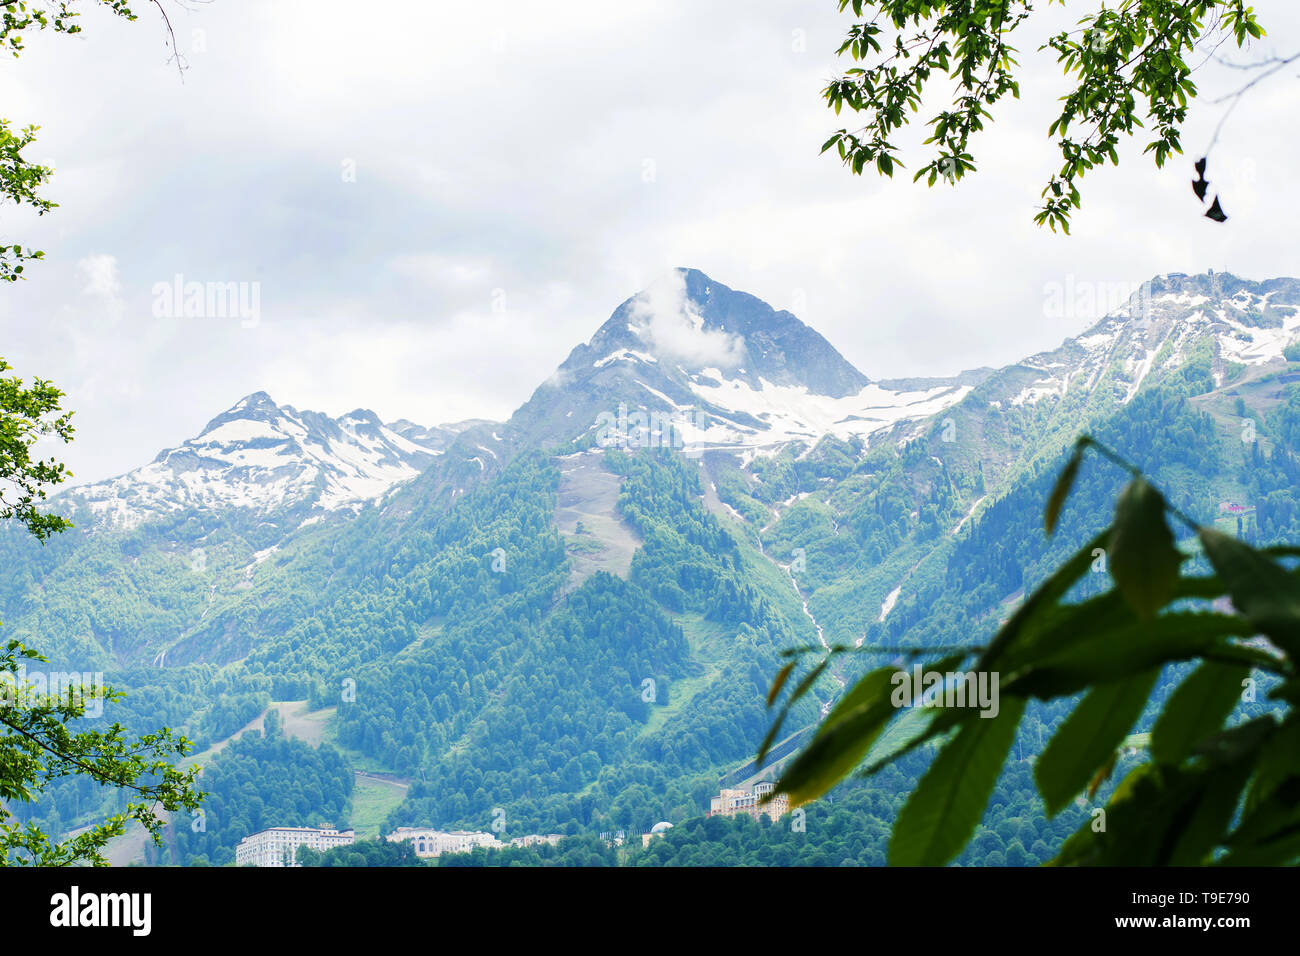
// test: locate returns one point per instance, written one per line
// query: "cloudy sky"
(432, 203)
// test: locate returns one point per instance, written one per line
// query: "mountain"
(1215, 341)
(783, 429)
(1236, 321)
(438, 437)
(264, 460)
(720, 369)
(563, 618)
(1209, 332)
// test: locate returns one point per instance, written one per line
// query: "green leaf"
(1118, 652)
(803, 687)
(1279, 761)
(1142, 557)
(778, 682)
(1061, 490)
(1066, 624)
(1197, 709)
(913, 727)
(1089, 736)
(1043, 600)
(1212, 793)
(1260, 588)
(1063, 625)
(917, 724)
(1269, 832)
(806, 684)
(1237, 743)
(1205, 825)
(1146, 818)
(842, 740)
(1280, 847)
(862, 694)
(941, 814)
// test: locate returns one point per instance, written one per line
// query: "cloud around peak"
(669, 322)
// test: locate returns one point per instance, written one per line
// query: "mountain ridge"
(265, 458)
(585, 635)
(725, 370)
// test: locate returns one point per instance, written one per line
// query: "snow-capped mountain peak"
(726, 368)
(1165, 323)
(263, 459)
(687, 321)
(720, 368)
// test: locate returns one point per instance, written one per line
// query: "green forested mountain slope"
(446, 626)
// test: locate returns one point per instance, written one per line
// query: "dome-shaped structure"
(661, 827)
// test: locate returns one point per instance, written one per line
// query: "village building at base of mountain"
(431, 843)
(729, 803)
(278, 846)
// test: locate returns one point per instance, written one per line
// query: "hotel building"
(728, 803)
(431, 843)
(278, 846)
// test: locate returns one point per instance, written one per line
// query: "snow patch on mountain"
(262, 457)
(888, 604)
(1247, 323)
(793, 413)
(623, 355)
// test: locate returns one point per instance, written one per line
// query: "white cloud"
(670, 324)
(99, 278)
(499, 152)
(99, 275)
(438, 270)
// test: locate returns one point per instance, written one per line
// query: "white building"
(278, 846)
(731, 802)
(430, 843)
(658, 830)
(537, 839)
